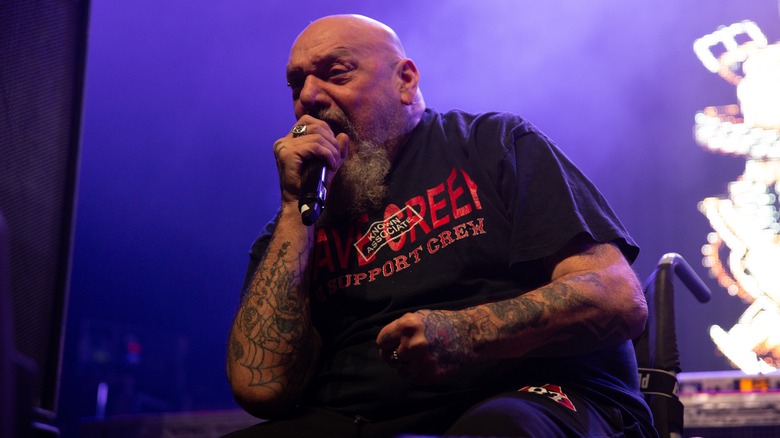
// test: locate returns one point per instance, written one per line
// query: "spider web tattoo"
(273, 319)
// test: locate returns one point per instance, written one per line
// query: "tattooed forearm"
(518, 314)
(568, 319)
(273, 330)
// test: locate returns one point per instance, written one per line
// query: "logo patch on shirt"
(553, 392)
(381, 232)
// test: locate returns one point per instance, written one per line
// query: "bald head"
(361, 31)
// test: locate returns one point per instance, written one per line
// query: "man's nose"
(312, 95)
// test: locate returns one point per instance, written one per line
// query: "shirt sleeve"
(257, 251)
(551, 201)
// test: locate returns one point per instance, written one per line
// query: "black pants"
(538, 412)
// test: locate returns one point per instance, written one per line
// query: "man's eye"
(337, 72)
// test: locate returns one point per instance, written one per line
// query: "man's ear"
(408, 79)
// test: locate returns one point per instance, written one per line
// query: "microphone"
(311, 201)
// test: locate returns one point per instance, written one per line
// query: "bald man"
(464, 279)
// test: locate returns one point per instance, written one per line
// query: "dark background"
(185, 99)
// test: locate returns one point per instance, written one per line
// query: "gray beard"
(359, 186)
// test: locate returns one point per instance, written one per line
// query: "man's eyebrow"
(322, 61)
(335, 54)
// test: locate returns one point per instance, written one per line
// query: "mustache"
(336, 120)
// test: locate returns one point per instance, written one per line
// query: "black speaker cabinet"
(42, 63)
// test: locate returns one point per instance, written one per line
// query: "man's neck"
(395, 145)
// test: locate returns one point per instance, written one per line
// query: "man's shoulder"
(471, 123)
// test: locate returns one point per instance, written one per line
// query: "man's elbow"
(266, 405)
(265, 401)
(627, 301)
(634, 309)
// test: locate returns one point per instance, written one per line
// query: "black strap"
(658, 382)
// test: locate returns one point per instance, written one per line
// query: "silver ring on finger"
(298, 130)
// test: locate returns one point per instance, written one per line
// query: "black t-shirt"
(475, 202)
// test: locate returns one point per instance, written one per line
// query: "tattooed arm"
(593, 300)
(273, 347)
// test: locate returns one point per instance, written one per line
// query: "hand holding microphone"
(311, 201)
(320, 153)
